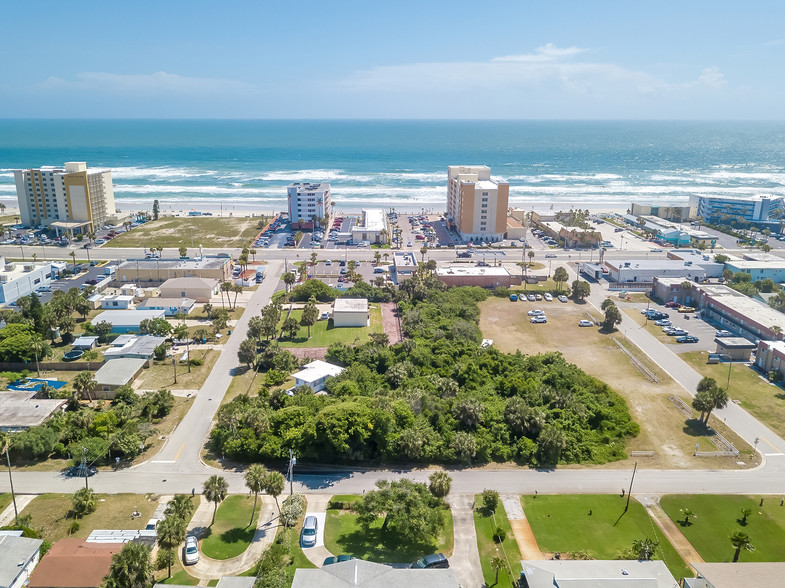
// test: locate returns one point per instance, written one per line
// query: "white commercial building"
(372, 228)
(350, 312)
(22, 279)
(308, 201)
(316, 374)
(476, 204)
(750, 208)
(73, 198)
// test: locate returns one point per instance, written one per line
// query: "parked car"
(539, 319)
(550, 255)
(663, 323)
(548, 297)
(723, 333)
(325, 316)
(513, 298)
(79, 471)
(686, 309)
(531, 298)
(437, 560)
(687, 339)
(677, 333)
(585, 323)
(191, 551)
(336, 559)
(562, 298)
(310, 528)
(536, 312)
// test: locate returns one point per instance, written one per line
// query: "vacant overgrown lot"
(177, 231)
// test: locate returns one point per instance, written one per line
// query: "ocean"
(236, 165)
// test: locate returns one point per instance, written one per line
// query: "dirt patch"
(302, 353)
(662, 426)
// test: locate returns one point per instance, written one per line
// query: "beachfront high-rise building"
(761, 207)
(476, 204)
(72, 199)
(308, 202)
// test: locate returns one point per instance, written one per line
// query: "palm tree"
(131, 568)
(171, 532)
(497, 563)
(180, 506)
(745, 512)
(314, 257)
(181, 332)
(84, 383)
(423, 251)
(273, 484)
(288, 278)
(254, 479)
(253, 254)
(73, 257)
(215, 490)
(740, 540)
(687, 514)
(439, 484)
(531, 257)
(83, 502)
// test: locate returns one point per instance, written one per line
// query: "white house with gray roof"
(18, 558)
(367, 574)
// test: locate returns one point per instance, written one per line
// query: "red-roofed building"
(74, 563)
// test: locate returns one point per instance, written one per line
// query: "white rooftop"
(374, 220)
(350, 305)
(471, 270)
(126, 317)
(598, 574)
(316, 370)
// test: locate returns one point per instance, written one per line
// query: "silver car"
(191, 552)
(310, 529)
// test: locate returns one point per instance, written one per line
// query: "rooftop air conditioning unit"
(3, 278)
(28, 267)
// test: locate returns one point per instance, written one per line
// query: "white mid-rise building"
(476, 204)
(308, 201)
(22, 279)
(73, 198)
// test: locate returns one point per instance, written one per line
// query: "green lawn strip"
(563, 523)
(764, 400)
(213, 582)
(486, 527)
(113, 511)
(181, 577)
(231, 534)
(177, 231)
(343, 535)
(5, 501)
(323, 333)
(718, 517)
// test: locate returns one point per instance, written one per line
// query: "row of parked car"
(536, 297)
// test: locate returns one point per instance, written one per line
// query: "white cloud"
(548, 67)
(156, 83)
(548, 52)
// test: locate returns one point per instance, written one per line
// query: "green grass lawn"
(563, 523)
(718, 517)
(5, 500)
(764, 400)
(177, 231)
(113, 511)
(161, 374)
(179, 575)
(233, 530)
(342, 535)
(323, 333)
(485, 527)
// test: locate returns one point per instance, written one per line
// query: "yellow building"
(476, 204)
(73, 198)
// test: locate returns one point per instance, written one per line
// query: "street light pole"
(292, 463)
(11, 480)
(634, 469)
(730, 365)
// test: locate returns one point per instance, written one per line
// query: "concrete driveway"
(465, 559)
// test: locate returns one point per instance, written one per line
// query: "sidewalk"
(465, 559)
(207, 568)
(680, 543)
(524, 536)
(7, 516)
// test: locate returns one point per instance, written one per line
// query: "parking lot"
(690, 322)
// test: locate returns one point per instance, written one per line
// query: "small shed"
(85, 343)
(737, 348)
(350, 312)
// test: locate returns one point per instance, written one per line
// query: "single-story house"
(133, 347)
(482, 276)
(246, 279)
(737, 348)
(84, 343)
(368, 574)
(556, 573)
(316, 374)
(74, 563)
(116, 373)
(199, 289)
(18, 558)
(170, 306)
(736, 575)
(350, 312)
(117, 301)
(19, 410)
(95, 300)
(126, 321)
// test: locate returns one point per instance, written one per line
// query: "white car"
(531, 298)
(548, 297)
(536, 312)
(663, 323)
(191, 552)
(562, 298)
(538, 297)
(585, 323)
(539, 319)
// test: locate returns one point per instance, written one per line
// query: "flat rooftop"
(18, 410)
(471, 270)
(118, 372)
(126, 317)
(316, 370)
(203, 263)
(305, 187)
(374, 221)
(651, 264)
(405, 259)
(596, 573)
(754, 310)
(758, 265)
(350, 305)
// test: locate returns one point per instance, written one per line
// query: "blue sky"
(364, 59)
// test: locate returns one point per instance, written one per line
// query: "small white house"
(316, 374)
(350, 312)
(18, 558)
(117, 302)
(170, 306)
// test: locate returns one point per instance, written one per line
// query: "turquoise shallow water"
(247, 164)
